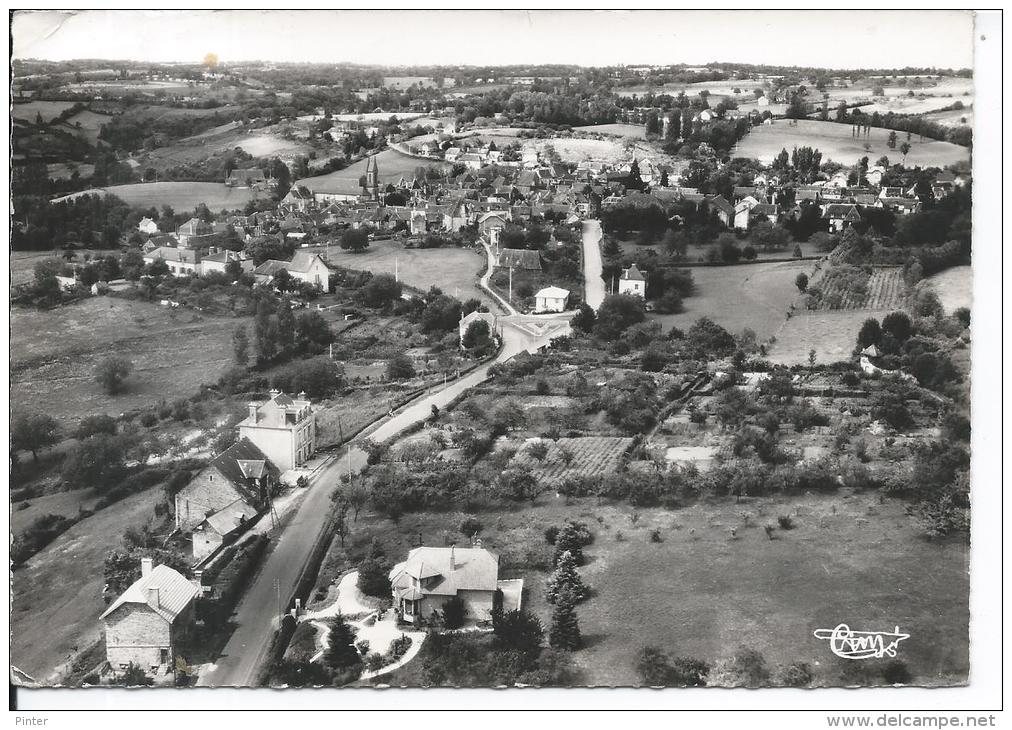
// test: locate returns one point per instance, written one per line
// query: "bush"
(785, 522)
(40, 533)
(454, 613)
(91, 425)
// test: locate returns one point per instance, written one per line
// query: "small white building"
(147, 226)
(632, 281)
(283, 428)
(551, 299)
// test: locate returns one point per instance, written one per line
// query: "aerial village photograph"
(349, 366)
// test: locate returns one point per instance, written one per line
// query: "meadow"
(756, 296)
(179, 195)
(48, 110)
(622, 130)
(454, 270)
(836, 143)
(831, 333)
(954, 287)
(56, 352)
(392, 165)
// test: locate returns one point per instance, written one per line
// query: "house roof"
(174, 593)
(720, 203)
(244, 460)
(230, 518)
(519, 258)
(552, 292)
(169, 253)
(271, 413)
(842, 210)
(473, 569)
(632, 274)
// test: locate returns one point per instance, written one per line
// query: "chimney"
(252, 411)
(146, 565)
(153, 597)
(453, 560)
(274, 393)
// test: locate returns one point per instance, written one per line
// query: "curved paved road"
(256, 615)
(593, 284)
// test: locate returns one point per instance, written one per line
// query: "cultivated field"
(885, 290)
(756, 296)
(454, 270)
(954, 287)
(180, 195)
(57, 595)
(55, 353)
(392, 165)
(831, 333)
(621, 130)
(590, 455)
(952, 118)
(836, 143)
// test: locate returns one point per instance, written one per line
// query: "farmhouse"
(304, 266)
(724, 210)
(193, 227)
(491, 225)
(181, 261)
(431, 576)
(283, 428)
(223, 499)
(632, 282)
(841, 216)
(147, 623)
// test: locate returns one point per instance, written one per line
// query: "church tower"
(372, 178)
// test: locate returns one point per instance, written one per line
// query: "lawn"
(954, 287)
(47, 109)
(392, 165)
(56, 351)
(756, 296)
(180, 195)
(836, 143)
(831, 333)
(454, 270)
(57, 595)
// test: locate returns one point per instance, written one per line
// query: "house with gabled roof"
(632, 281)
(841, 216)
(146, 624)
(226, 497)
(305, 266)
(431, 576)
(519, 258)
(723, 209)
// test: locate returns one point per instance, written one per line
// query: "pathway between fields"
(593, 284)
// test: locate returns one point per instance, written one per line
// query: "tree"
(265, 332)
(905, 148)
(286, 327)
(454, 613)
(516, 631)
(565, 630)
(355, 240)
(617, 313)
(112, 373)
(341, 507)
(91, 425)
(341, 650)
(891, 141)
(400, 367)
(477, 338)
(870, 333)
(240, 346)
(134, 676)
(373, 572)
(584, 319)
(132, 264)
(34, 431)
(96, 462)
(565, 577)
(380, 291)
(801, 281)
(572, 538)
(898, 324)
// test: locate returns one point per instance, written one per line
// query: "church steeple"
(372, 177)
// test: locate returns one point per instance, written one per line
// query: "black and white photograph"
(526, 350)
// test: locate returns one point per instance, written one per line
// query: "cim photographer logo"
(850, 644)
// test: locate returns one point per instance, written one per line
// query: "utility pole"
(277, 590)
(511, 285)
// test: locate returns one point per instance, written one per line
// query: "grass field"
(954, 287)
(48, 109)
(56, 351)
(952, 118)
(67, 504)
(701, 593)
(180, 195)
(756, 296)
(57, 595)
(622, 130)
(836, 143)
(392, 165)
(831, 333)
(64, 170)
(454, 270)
(91, 123)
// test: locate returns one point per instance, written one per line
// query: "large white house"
(304, 266)
(551, 299)
(431, 576)
(283, 428)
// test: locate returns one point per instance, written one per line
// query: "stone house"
(283, 428)
(147, 623)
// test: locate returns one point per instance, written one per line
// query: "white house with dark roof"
(304, 266)
(283, 428)
(146, 623)
(147, 226)
(551, 299)
(218, 260)
(632, 281)
(431, 576)
(181, 261)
